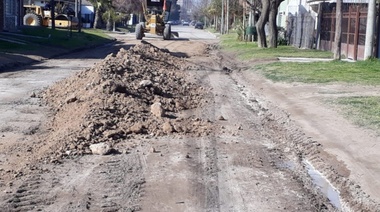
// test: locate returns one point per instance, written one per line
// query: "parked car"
(199, 25)
(185, 23)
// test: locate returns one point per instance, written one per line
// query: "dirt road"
(227, 141)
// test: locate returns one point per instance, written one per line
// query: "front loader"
(156, 15)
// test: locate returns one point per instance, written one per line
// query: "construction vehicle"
(156, 15)
(41, 16)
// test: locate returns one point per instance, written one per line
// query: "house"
(354, 26)
(311, 24)
(11, 11)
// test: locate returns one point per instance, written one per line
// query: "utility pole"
(80, 16)
(370, 29)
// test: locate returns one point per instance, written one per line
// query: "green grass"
(250, 50)
(4, 45)
(363, 111)
(60, 38)
(361, 72)
(63, 38)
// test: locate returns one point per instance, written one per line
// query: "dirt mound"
(135, 92)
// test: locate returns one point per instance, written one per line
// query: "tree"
(52, 9)
(338, 31)
(99, 6)
(273, 31)
(127, 6)
(260, 25)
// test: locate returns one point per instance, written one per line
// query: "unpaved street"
(222, 139)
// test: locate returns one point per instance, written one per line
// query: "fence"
(301, 30)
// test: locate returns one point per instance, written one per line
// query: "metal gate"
(354, 23)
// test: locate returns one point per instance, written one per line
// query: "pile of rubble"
(140, 91)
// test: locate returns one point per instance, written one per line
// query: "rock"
(100, 149)
(152, 150)
(145, 83)
(167, 127)
(71, 99)
(136, 128)
(157, 110)
(222, 118)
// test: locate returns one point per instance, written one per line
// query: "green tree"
(100, 6)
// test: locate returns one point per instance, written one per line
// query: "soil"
(187, 127)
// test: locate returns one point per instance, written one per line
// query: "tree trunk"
(338, 31)
(228, 16)
(273, 31)
(260, 25)
(109, 22)
(97, 18)
(222, 20)
(52, 13)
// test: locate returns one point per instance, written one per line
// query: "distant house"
(311, 24)
(88, 14)
(11, 11)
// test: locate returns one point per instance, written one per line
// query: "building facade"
(11, 12)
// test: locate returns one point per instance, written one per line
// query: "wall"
(1, 15)
(11, 15)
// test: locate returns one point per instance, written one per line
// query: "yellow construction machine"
(41, 16)
(156, 15)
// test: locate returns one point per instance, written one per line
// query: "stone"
(157, 110)
(145, 83)
(71, 99)
(136, 128)
(167, 127)
(100, 149)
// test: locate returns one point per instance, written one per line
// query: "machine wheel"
(139, 31)
(32, 19)
(167, 32)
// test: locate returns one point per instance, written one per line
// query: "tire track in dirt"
(250, 175)
(95, 183)
(28, 196)
(296, 147)
(119, 182)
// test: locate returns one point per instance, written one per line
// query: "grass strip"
(364, 111)
(250, 50)
(361, 72)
